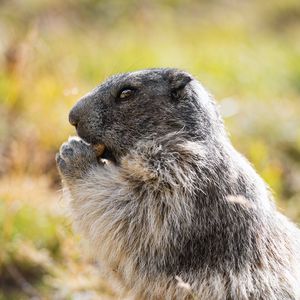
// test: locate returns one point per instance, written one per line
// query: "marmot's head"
(141, 105)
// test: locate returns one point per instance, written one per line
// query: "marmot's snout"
(73, 118)
(75, 113)
(79, 117)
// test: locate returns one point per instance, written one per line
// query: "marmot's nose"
(74, 116)
(79, 110)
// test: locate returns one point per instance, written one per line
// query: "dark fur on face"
(175, 212)
(159, 103)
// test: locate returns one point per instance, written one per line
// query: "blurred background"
(247, 53)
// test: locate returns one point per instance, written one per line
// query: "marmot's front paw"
(75, 159)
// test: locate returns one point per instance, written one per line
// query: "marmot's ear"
(178, 80)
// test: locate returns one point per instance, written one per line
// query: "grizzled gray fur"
(171, 208)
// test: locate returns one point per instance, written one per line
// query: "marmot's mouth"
(103, 153)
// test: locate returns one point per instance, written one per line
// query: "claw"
(59, 161)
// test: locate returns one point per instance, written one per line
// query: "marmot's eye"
(125, 93)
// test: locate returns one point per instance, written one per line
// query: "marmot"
(171, 207)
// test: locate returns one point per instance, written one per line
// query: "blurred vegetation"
(247, 53)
